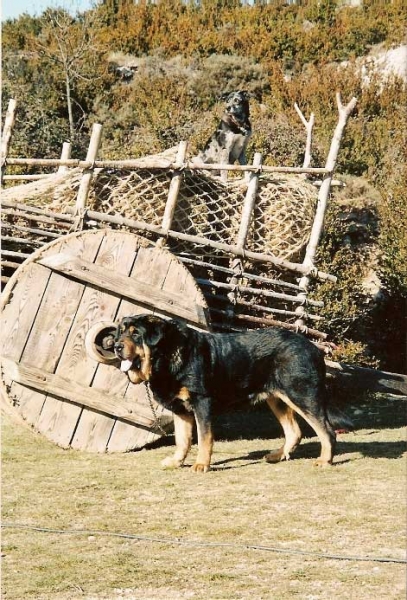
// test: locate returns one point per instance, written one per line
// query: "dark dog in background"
(228, 143)
(193, 374)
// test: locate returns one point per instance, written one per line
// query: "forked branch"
(308, 127)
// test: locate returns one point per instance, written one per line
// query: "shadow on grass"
(391, 450)
(259, 423)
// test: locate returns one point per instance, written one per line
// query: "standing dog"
(228, 143)
(193, 373)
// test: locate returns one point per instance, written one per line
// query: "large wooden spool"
(60, 294)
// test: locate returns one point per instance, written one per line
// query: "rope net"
(206, 206)
(209, 208)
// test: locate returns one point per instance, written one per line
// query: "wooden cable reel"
(58, 308)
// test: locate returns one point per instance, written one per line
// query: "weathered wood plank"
(67, 390)
(117, 253)
(93, 431)
(49, 333)
(65, 394)
(135, 290)
(173, 277)
(74, 361)
(17, 316)
(150, 268)
(51, 324)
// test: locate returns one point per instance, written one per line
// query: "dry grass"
(354, 508)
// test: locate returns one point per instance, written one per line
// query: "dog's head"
(135, 340)
(237, 105)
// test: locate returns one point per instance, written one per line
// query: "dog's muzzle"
(135, 360)
(126, 363)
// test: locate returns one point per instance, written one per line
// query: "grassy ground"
(355, 508)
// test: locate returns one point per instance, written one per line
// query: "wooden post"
(174, 187)
(247, 213)
(323, 195)
(173, 194)
(65, 155)
(6, 135)
(308, 127)
(86, 180)
(249, 203)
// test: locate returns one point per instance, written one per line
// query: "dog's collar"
(238, 125)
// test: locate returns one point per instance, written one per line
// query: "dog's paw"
(322, 463)
(171, 463)
(275, 456)
(200, 468)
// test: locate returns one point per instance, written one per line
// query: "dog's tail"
(339, 420)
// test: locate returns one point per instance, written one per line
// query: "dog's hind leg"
(183, 427)
(317, 419)
(292, 432)
(327, 437)
(205, 436)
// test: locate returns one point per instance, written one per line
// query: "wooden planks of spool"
(54, 374)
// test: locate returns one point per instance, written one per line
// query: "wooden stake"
(174, 187)
(247, 212)
(86, 180)
(7, 131)
(65, 154)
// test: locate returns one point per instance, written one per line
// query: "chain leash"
(157, 421)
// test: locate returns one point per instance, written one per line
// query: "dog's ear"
(245, 94)
(257, 95)
(224, 96)
(154, 331)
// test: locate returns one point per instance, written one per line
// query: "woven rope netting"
(206, 206)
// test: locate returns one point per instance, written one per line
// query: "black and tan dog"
(193, 373)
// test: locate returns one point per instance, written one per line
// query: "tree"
(71, 46)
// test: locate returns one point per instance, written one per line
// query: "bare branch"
(345, 110)
(308, 127)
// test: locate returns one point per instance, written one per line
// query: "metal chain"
(157, 421)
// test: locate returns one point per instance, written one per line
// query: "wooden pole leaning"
(323, 195)
(249, 203)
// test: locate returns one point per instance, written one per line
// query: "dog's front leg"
(183, 427)
(243, 161)
(242, 158)
(202, 410)
(224, 160)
